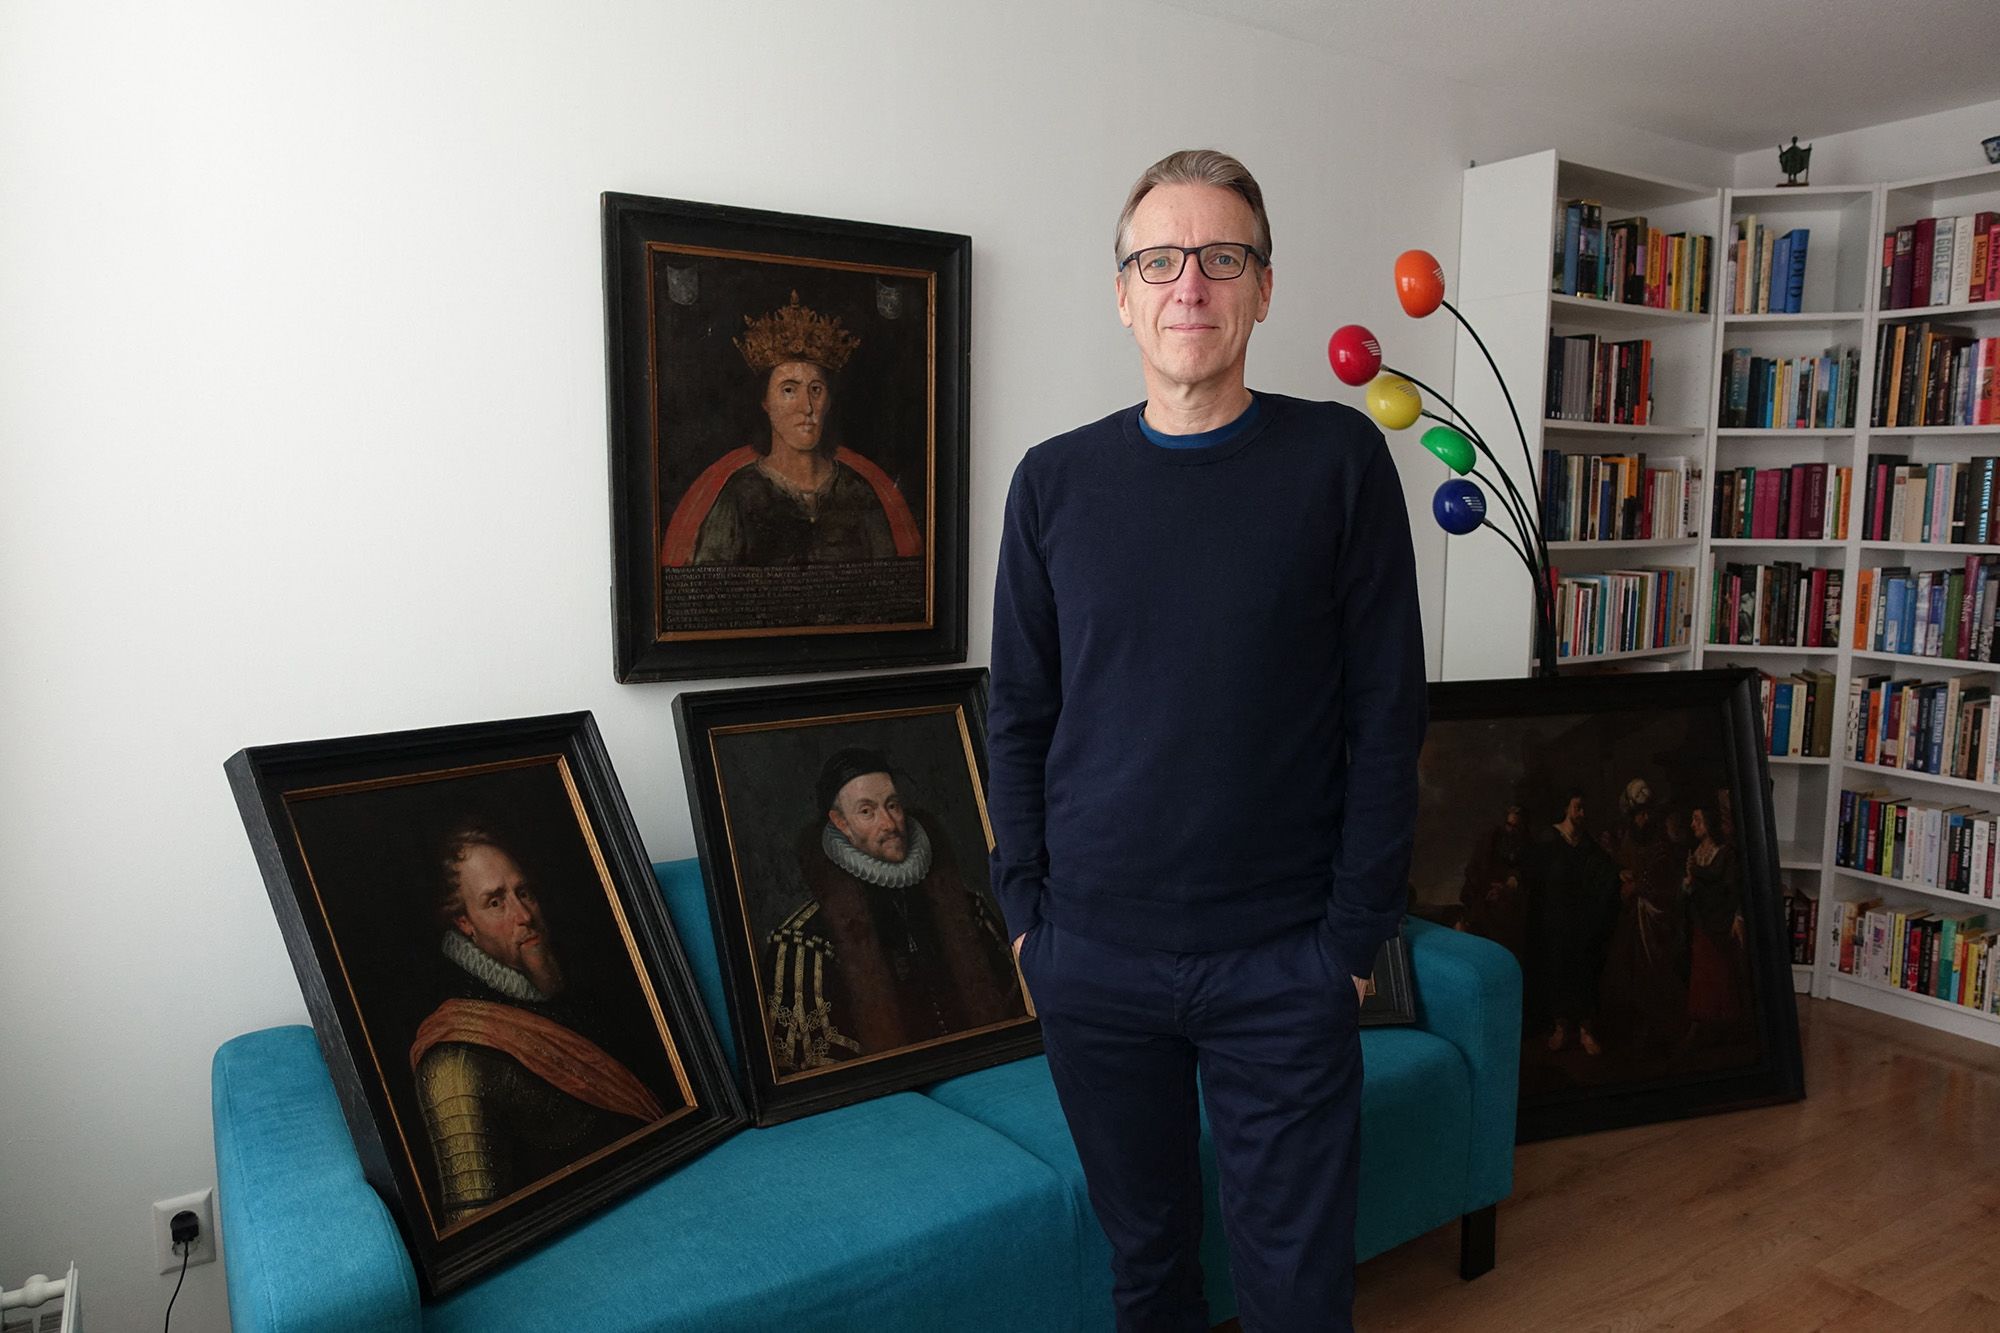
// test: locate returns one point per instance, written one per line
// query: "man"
(1207, 702)
(1572, 903)
(894, 948)
(511, 1092)
(1646, 965)
(1493, 896)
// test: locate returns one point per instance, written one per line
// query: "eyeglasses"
(1219, 261)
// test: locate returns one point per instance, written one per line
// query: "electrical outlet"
(202, 1205)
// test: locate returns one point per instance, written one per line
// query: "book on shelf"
(1765, 273)
(1948, 956)
(1628, 262)
(1943, 613)
(1622, 610)
(1944, 845)
(1592, 379)
(1802, 922)
(1797, 713)
(1930, 503)
(1782, 605)
(1618, 497)
(1796, 393)
(1941, 261)
(1935, 376)
(1944, 728)
(1803, 502)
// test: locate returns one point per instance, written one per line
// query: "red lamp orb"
(1419, 282)
(1354, 354)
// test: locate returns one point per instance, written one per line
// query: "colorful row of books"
(1803, 502)
(1802, 921)
(1622, 610)
(1943, 613)
(1927, 376)
(1943, 845)
(1782, 605)
(1789, 393)
(1628, 262)
(1765, 273)
(1618, 497)
(1932, 953)
(1594, 380)
(1946, 728)
(1797, 713)
(1941, 261)
(1928, 503)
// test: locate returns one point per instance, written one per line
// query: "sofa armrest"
(1469, 993)
(310, 1245)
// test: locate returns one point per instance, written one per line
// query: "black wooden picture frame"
(799, 936)
(1391, 1000)
(1658, 924)
(721, 323)
(442, 1021)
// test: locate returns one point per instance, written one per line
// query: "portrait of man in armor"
(511, 1088)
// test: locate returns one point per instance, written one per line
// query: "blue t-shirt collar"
(1201, 439)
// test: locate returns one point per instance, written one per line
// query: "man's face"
(796, 398)
(869, 814)
(1194, 330)
(1574, 811)
(498, 912)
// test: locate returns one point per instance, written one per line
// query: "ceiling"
(1734, 75)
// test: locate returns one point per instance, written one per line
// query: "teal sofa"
(958, 1206)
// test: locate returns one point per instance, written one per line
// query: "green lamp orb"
(1452, 448)
(1394, 402)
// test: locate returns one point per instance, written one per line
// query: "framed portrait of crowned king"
(788, 410)
(844, 838)
(507, 1017)
(1615, 834)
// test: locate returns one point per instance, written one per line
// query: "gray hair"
(1196, 166)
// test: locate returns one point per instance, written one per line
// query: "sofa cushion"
(1415, 1124)
(891, 1214)
(1019, 1100)
(311, 1249)
(1416, 1131)
(687, 907)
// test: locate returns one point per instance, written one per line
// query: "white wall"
(1899, 150)
(302, 419)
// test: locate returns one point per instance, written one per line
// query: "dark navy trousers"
(1271, 1031)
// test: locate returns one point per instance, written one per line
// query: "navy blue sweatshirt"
(1208, 686)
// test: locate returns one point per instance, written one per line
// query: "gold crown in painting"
(795, 333)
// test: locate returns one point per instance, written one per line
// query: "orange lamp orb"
(1419, 282)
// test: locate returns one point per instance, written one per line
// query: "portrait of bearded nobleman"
(893, 947)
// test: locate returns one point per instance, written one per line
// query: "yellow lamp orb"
(1394, 402)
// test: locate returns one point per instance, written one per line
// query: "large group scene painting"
(1622, 898)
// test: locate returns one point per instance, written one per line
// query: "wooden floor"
(1873, 1204)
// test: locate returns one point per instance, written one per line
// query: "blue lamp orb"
(1459, 506)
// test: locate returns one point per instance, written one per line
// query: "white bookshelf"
(1837, 299)
(1897, 204)
(1510, 212)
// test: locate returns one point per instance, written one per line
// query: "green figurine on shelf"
(1792, 161)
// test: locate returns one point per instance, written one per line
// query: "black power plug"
(184, 1228)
